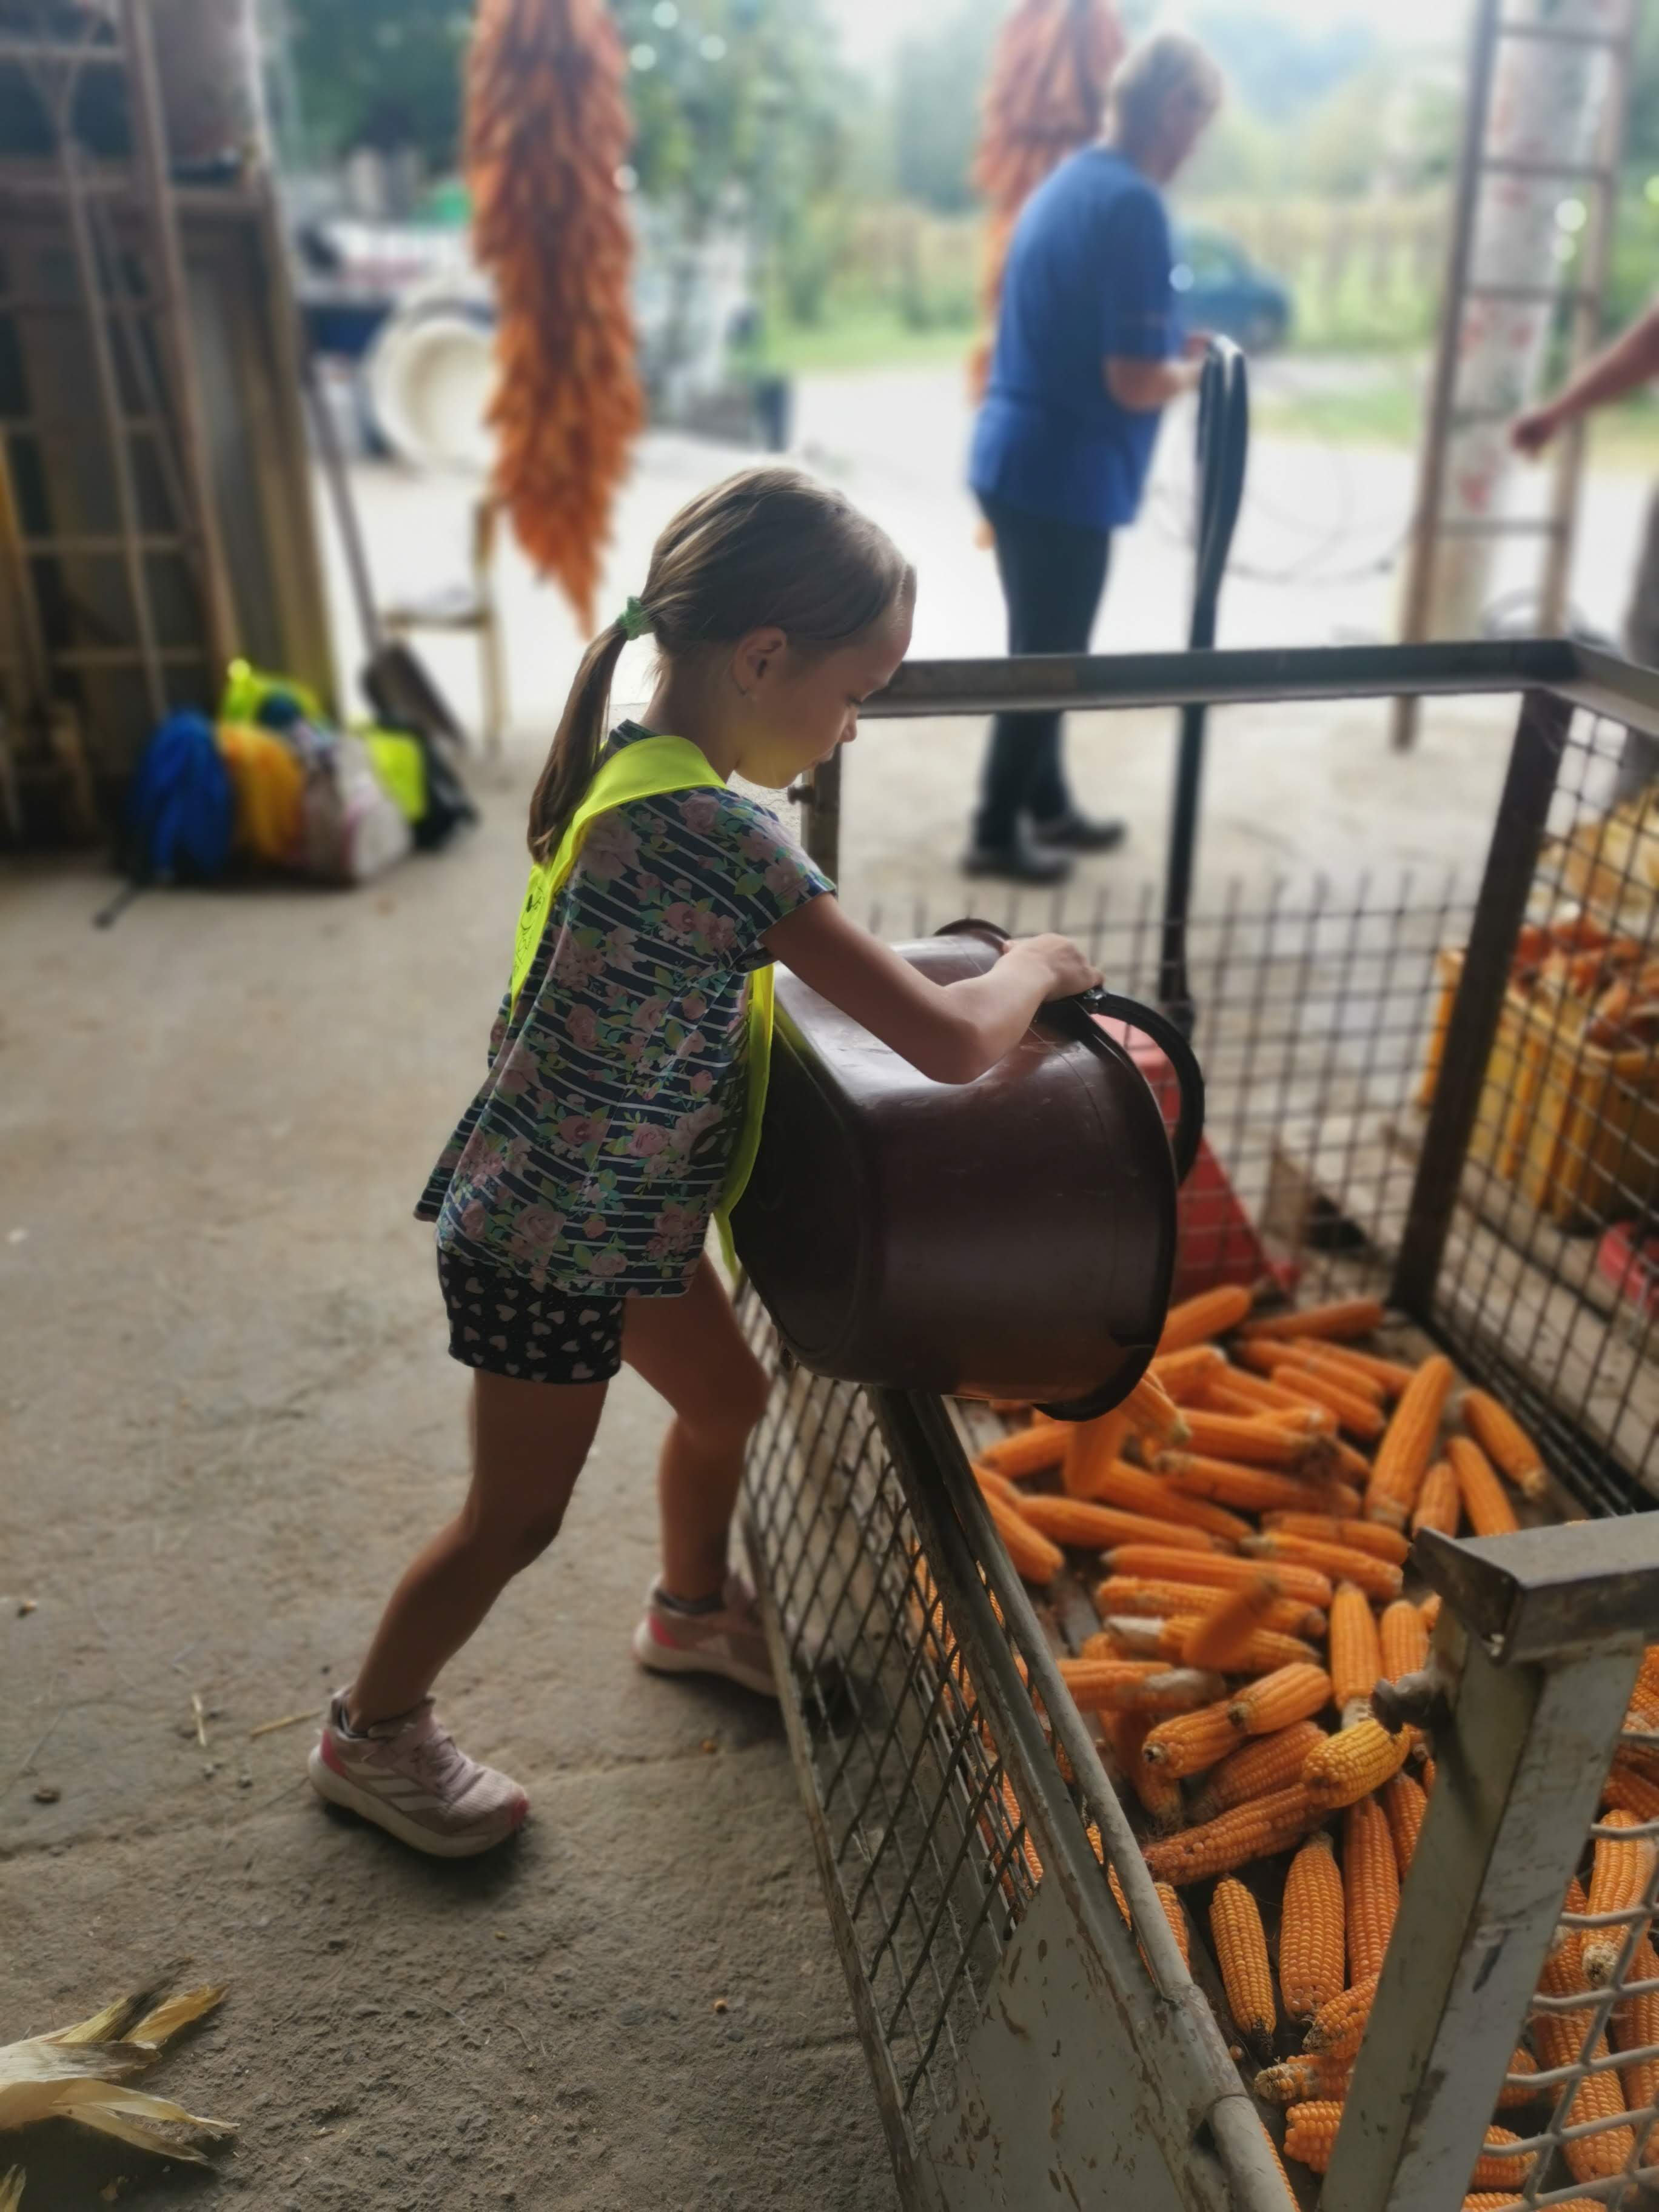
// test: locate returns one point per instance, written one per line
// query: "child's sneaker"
(728, 1640)
(413, 1779)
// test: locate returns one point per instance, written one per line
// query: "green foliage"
(938, 79)
(381, 73)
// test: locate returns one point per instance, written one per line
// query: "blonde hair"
(1150, 75)
(769, 548)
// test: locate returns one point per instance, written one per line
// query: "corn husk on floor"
(83, 2072)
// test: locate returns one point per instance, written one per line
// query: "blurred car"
(1220, 288)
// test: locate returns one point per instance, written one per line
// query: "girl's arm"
(951, 1032)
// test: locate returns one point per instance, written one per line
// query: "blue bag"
(180, 807)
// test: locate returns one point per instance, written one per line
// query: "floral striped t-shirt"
(593, 1156)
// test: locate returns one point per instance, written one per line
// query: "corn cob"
(1128, 1636)
(1134, 1686)
(1241, 1951)
(1402, 1457)
(1345, 1317)
(1191, 1741)
(1163, 1562)
(1034, 1559)
(1311, 2132)
(1301, 2080)
(1311, 1939)
(1371, 1885)
(1153, 1413)
(1485, 1499)
(1387, 1544)
(1174, 1913)
(1439, 1501)
(1558, 2039)
(1259, 1769)
(1145, 1593)
(1268, 1397)
(1025, 1452)
(1084, 1527)
(1360, 1415)
(1404, 1803)
(1380, 1581)
(1331, 1364)
(1390, 1376)
(1251, 1490)
(1492, 2170)
(1338, 2028)
(1356, 1656)
(1212, 1313)
(1627, 1791)
(1132, 1490)
(1253, 1831)
(1619, 1875)
(1635, 2026)
(1223, 1633)
(1254, 1440)
(1346, 1767)
(1016, 1828)
(1157, 1791)
(1091, 1445)
(1506, 1443)
(1223, 1397)
(1272, 1702)
(1403, 1641)
(1430, 1610)
(1490, 2200)
(1183, 1373)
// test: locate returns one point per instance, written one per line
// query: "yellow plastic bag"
(400, 766)
(268, 783)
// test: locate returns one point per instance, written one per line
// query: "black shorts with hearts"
(501, 1323)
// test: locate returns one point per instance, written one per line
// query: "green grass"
(871, 336)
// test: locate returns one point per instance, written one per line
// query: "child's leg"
(529, 1440)
(691, 1351)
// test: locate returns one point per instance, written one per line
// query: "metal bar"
(195, 464)
(1519, 1772)
(28, 182)
(821, 801)
(1518, 838)
(1594, 172)
(1432, 475)
(1550, 1593)
(1501, 525)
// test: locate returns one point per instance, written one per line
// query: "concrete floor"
(226, 1420)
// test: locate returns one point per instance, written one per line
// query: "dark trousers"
(1053, 575)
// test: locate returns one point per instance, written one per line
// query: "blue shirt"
(1087, 276)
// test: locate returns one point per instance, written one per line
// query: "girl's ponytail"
(574, 758)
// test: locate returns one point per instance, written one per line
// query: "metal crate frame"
(960, 1811)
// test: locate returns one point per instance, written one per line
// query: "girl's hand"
(1068, 969)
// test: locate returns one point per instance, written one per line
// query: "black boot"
(1022, 860)
(1072, 832)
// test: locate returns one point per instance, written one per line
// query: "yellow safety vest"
(647, 769)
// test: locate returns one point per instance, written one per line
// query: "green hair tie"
(634, 620)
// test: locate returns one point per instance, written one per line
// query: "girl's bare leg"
(691, 1351)
(529, 1440)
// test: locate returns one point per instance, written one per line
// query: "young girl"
(627, 1069)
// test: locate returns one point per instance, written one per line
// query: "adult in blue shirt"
(1087, 357)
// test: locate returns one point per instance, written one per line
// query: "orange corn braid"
(1034, 1559)
(1289, 1694)
(1183, 1373)
(1371, 1887)
(1619, 1875)
(1091, 1445)
(1143, 1594)
(1386, 1544)
(1338, 2028)
(1403, 1641)
(1403, 1456)
(1129, 1685)
(1302, 2081)
(1346, 1767)
(1163, 1563)
(1558, 2039)
(1024, 1452)
(1404, 1803)
(1254, 1831)
(1251, 1490)
(1506, 1443)
(1379, 1581)
(1494, 2171)
(1212, 1313)
(1156, 1790)
(1485, 1499)
(1311, 1932)
(1252, 1440)
(1153, 1413)
(1439, 1501)
(1241, 1951)
(1132, 1490)
(1346, 1317)
(1311, 2132)
(1356, 1655)
(1260, 1768)
(1191, 1741)
(1084, 1527)
(1223, 1634)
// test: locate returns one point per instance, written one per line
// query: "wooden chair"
(468, 606)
